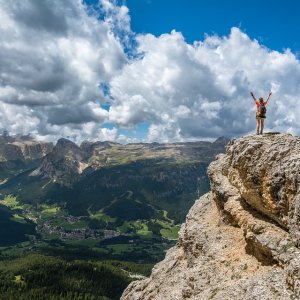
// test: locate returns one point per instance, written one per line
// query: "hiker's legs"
(257, 125)
(262, 125)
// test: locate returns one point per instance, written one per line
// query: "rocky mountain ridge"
(241, 240)
(22, 147)
(67, 161)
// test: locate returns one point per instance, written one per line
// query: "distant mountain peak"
(65, 146)
(221, 140)
(63, 142)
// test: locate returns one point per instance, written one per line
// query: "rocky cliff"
(22, 148)
(64, 163)
(241, 240)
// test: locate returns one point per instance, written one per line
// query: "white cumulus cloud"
(202, 90)
(54, 56)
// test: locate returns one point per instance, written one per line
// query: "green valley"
(102, 209)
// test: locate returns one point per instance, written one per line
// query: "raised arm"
(270, 94)
(253, 96)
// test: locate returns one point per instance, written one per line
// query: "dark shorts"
(259, 118)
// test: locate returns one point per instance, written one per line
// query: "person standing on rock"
(261, 112)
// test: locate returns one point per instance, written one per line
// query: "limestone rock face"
(63, 164)
(241, 240)
(22, 148)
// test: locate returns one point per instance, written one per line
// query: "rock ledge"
(241, 240)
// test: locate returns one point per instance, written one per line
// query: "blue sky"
(148, 70)
(276, 24)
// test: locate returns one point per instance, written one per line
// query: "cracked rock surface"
(241, 240)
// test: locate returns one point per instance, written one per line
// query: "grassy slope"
(170, 187)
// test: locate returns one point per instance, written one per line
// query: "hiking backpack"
(262, 110)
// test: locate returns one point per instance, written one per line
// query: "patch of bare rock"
(241, 240)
